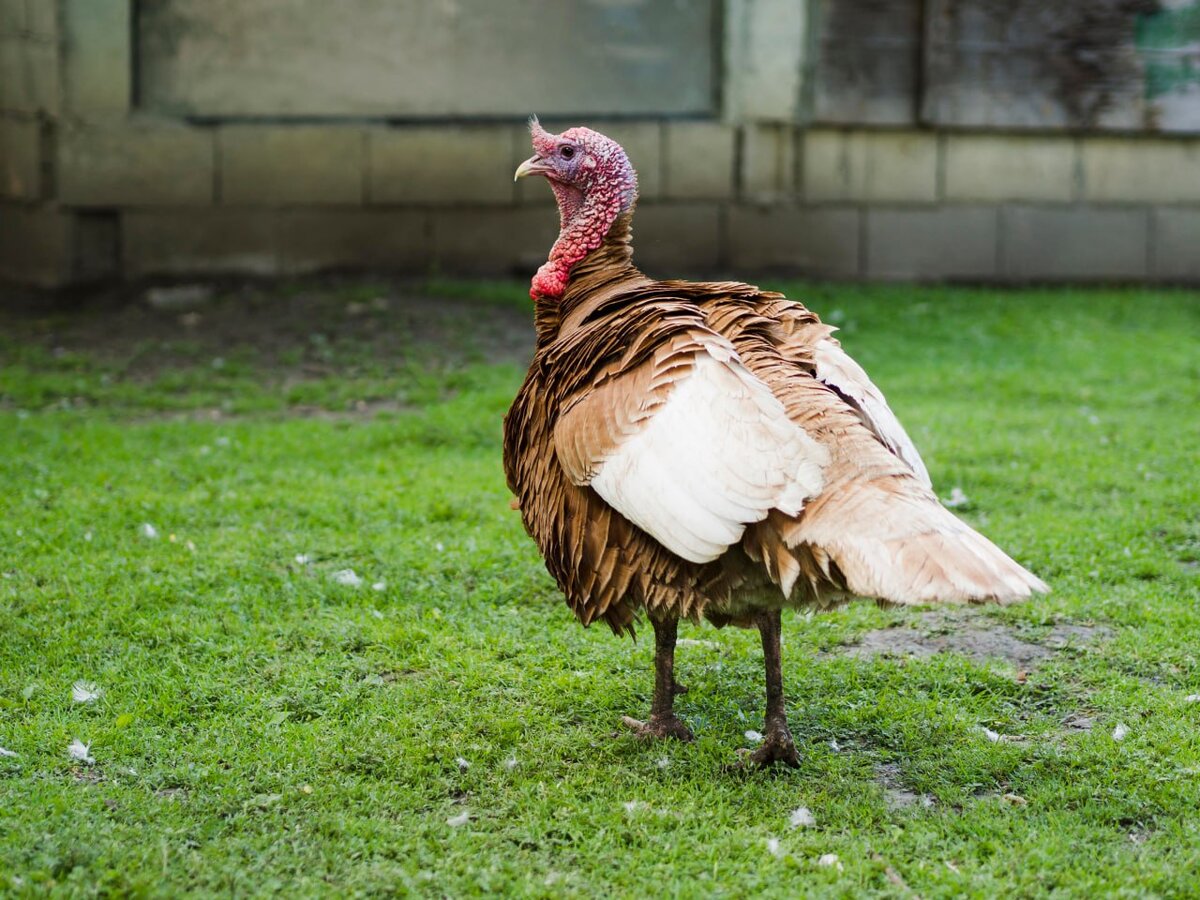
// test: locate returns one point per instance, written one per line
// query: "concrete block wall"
(91, 186)
(825, 203)
(34, 243)
(839, 204)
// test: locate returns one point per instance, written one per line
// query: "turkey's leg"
(663, 722)
(777, 745)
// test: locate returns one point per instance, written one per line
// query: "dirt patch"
(974, 636)
(895, 794)
(297, 330)
(1077, 722)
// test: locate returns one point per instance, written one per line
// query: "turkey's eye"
(566, 152)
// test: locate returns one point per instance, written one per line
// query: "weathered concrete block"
(768, 162)
(98, 57)
(42, 18)
(450, 164)
(12, 90)
(382, 240)
(274, 165)
(266, 242)
(765, 44)
(46, 247)
(415, 59)
(1007, 167)
(12, 17)
(699, 161)
(1075, 244)
(122, 167)
(29, 80)
(1175, 252)
(97, 245)
(20, 159)
(869, 166)
(198, 242)
(37, 246)
(670, 240)
(825, 170)
(950, 243)
(1141, 170)
(821, 242)
(492, 241)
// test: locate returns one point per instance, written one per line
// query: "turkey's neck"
(597, 276)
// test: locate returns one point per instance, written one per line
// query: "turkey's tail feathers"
(884, 539)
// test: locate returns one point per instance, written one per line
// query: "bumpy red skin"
(592, 189)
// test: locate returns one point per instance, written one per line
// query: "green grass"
(263, 728)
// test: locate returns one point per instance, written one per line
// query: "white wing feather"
(719, 454)
(838, 369)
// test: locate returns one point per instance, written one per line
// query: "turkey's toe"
(659, 727)
(777, 747)
(677, 688)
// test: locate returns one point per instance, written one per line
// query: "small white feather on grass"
(81, 752)
(830, 860)
(303, 559)
(10, 754)
(461, 819)
(85, 692)
(802, 818)
(773, 847)
(379, 586)
(1120, 732)
(992, 736)
(348, 578)
(754, 736)
(148, 531)
(462, 764)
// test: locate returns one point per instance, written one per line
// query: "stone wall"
(95, 183)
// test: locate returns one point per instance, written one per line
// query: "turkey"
(708, 450)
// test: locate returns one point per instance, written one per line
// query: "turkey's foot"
(777, 747)
(659, 727)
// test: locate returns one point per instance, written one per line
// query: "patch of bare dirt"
(1077, 722)
(298, 329)
(974, 636)
(895, 794)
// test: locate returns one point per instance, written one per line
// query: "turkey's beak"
(535, 165)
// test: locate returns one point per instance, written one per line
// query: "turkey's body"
(611, 355)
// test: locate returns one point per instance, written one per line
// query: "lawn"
(183, 492)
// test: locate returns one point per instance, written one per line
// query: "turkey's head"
(593, 182)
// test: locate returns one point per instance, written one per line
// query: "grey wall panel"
(426, 58)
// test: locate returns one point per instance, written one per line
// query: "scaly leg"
(663, 721)
(777, 745)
